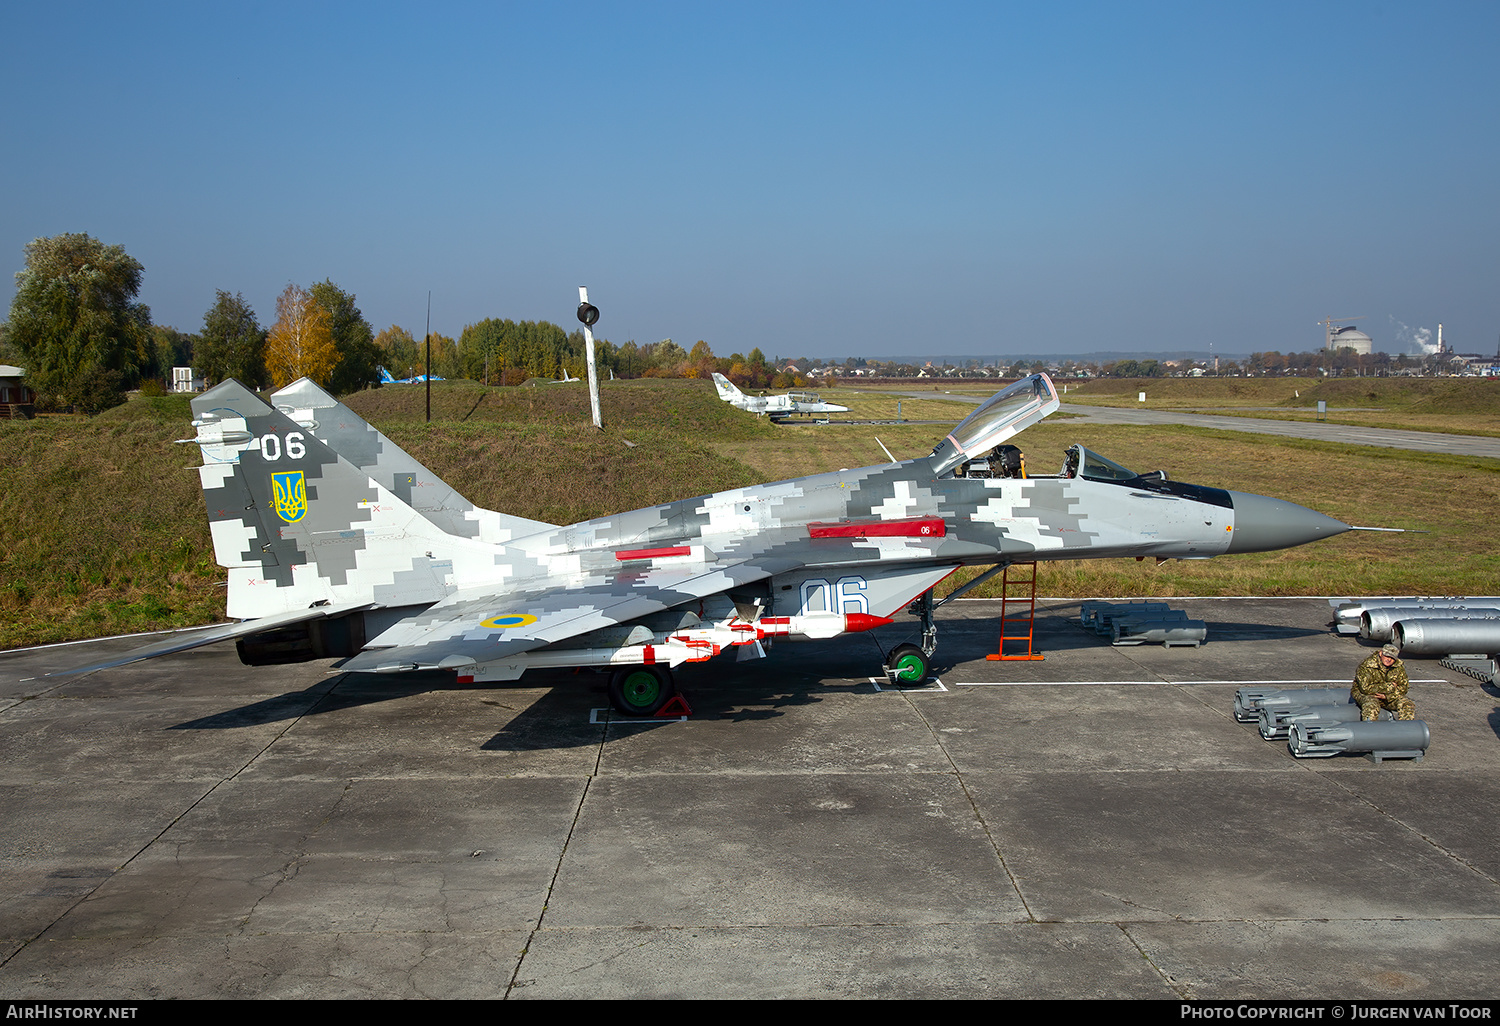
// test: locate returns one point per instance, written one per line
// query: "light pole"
(588, 313)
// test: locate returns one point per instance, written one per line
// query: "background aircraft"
(341, 545)
(775, 405)
(417, 379)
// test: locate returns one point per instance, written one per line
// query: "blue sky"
(812, 179)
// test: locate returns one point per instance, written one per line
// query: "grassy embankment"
(102, 530)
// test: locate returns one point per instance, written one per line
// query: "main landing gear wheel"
(908, 665)
(641, 690)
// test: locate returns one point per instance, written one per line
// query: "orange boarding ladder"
(1025, 587)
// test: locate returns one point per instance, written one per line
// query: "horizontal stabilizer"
(182, 641)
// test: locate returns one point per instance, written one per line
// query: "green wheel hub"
(909, 669)
(641, 689)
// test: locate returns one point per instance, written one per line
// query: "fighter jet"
(778, 406)
(416, 379)
(341, 545)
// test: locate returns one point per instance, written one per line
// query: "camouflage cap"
(1391, 649)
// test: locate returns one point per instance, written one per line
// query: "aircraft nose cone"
(1262, 523)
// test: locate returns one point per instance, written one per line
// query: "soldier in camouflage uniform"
(1380, 683)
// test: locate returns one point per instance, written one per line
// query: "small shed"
(184, 379)
(16, 399)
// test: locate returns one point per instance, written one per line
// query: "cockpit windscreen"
(1094, 467)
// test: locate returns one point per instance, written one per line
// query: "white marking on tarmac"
(601, 715)
(1123, 683)
(884, 685)
(117, 637)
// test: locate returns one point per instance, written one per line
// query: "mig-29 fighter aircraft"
(777, 406)
(340, 545)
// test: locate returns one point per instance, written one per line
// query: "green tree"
(630, 362)
(74, 315)
(668, 355)
(232, 343)
(399, 352)
(701, 361)
(170, 348)
(358, 354)
(529, 349)
(445, 358)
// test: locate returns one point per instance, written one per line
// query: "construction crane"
(1328, 322)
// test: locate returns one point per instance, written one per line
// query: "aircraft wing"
(479, 626)
(181, 641)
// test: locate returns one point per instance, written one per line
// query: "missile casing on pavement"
(1376, 624)
(1099, 615)
(1347, 613)
(1277, 723)
(1388, 739)
(1423, 637)
(1248, 701)
(1165, 631)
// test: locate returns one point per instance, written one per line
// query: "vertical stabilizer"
(343, 431)
(727, 390)
(298, 526)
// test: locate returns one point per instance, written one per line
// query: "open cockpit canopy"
(1006, 413)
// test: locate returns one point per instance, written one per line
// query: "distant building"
(16, 399)
(1349, 338)
(184, 380)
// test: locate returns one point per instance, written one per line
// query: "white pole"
(588, 338)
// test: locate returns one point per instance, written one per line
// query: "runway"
(1092, 825)
(1389, 438)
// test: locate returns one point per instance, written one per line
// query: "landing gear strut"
(910, 664)
(923, 607)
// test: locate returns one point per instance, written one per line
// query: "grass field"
(103, 530)
(1463, 406)
(865, 405)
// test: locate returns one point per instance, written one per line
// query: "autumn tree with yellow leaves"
(301, 345)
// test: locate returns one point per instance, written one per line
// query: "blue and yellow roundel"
(505, 620)
(291, 495)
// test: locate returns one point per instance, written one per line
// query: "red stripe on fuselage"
(676, 550)
(916, 527)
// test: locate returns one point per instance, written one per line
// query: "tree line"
(77, 327)
(84, 339)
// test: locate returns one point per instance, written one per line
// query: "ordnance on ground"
(1423, 637)
(1347, 612)
(1376, 624)
(1248, 701)
(1381, 740)
(1168, 631)
(1098, 616)
(1277, 723)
